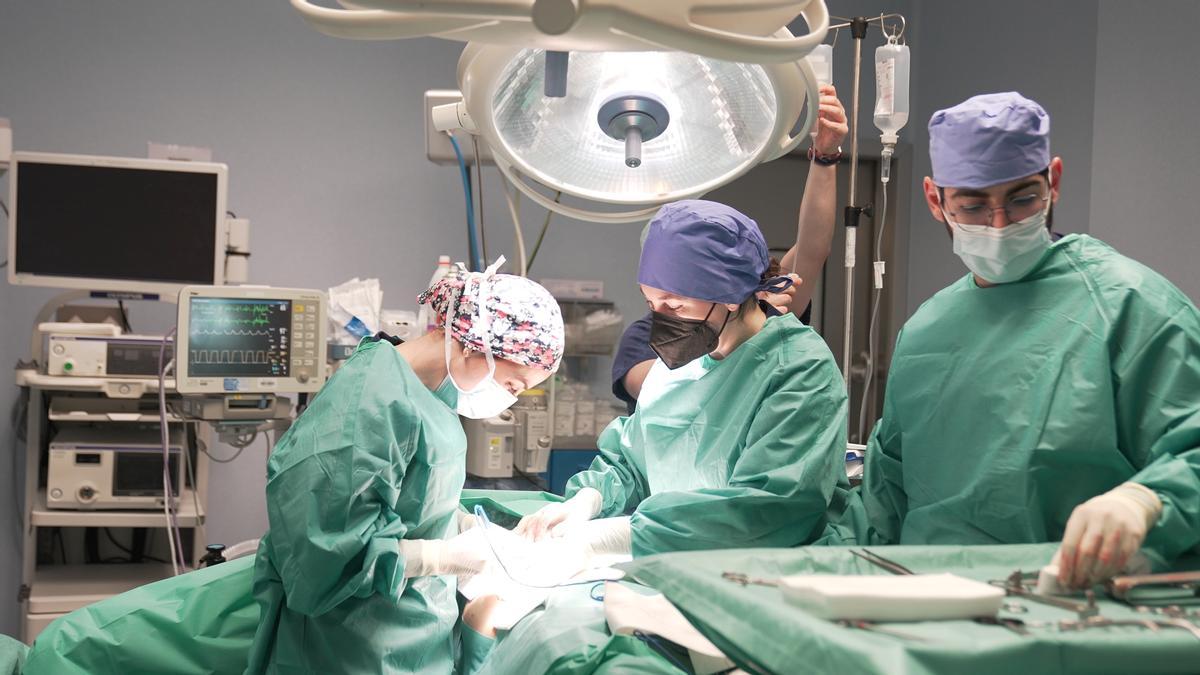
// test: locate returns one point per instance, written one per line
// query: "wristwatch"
(823, 159)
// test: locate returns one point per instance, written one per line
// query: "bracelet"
(823, 159)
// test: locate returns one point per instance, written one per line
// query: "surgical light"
(615, 102)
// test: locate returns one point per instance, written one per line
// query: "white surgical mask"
(488, 398)
(1002, 255)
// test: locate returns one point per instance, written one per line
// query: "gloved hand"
(603, 536)
(577, 546)
(578, 509)
(465, 520)
(1104, 532)
(463, 554)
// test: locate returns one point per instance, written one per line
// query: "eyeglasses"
(1017, 208)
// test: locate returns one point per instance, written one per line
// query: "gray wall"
(1045, 50)
(1146, 158)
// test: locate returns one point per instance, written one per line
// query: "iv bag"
(821, 61)
(891, 89)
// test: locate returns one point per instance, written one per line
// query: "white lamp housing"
(632, 103)
(724, 118)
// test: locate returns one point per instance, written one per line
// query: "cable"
(231, 214)
(659, 648)
(20, 409)
(174, 541)
(472, 245)
(872, 338)
(239, 444)
(187, 462)
(4, 207)
(128, 551)
(542, 235)
(530, 479)
(62, 545)
(91, 545)
(479, 201)
(124, 317)
(515, 211)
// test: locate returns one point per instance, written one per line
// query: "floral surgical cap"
(526, 323)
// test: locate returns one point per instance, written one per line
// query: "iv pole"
(853, 212)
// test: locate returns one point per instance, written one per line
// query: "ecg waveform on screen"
(248, 314)
(231, 337)
(229, 332)
(230, 356)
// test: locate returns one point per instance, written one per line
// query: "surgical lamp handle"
(812, 94)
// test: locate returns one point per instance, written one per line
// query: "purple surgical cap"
(704, 250)
(987, 140)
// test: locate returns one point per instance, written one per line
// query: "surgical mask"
(681, 341)
(488, 398)
(1002, 255)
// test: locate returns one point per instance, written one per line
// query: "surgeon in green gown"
(355, 572)
(1053, 393)
(739, 436)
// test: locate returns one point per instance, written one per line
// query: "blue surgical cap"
(987, 140)
(704, 250)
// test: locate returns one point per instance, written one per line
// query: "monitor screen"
(109, 222)
(238, 337)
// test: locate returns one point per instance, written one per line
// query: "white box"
(564, 419)
(574, 289)
(585, 418)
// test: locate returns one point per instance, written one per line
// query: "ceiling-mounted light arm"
(813, 96)
(683, 34)
(372, 24)
(627, 25)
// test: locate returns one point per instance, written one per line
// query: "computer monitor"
(240, 339)
(115, 223)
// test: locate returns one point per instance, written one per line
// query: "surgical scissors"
(1152, 624)
(880, 561)
(876, 628)
(744, 580)
(1014, 585)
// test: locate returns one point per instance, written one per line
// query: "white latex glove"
(579, 546)
(581, 508)
(604, 536)
(462, 554)
(465, 521)
(1104, 532)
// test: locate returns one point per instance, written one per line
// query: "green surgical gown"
(740, 452)
(376, 457)
(1008, 406)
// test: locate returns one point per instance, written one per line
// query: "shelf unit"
(186, 515)
(59, 589)
(49, 591)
